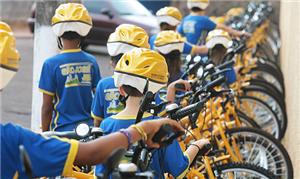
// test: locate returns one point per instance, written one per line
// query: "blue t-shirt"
(230, 76)
(187, 48)
(106, 101)
(168, 159)
(70, 78)
(48, 157)
(192, 26)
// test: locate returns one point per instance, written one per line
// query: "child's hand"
(185, 84)
(151, 127)
(242, 33)
(200, 143)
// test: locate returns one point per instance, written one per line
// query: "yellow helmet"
(168, 41)
(138, 65)
(71, 17)
(218, 36)
(202, 4)
(218, 20)
(169, 15)
(125, 38)
(237, 11)
(5, 27)
(9, 56)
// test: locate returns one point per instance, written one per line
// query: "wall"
(290, 60)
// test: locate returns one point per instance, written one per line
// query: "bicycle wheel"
(272, 101)
(270, 66)
(242, 171)
(260, 148)
(268, 87)
(269, 77)
(262, 51)
(262, 114)
(246, 120)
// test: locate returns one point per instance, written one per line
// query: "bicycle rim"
(261, 149)
(262, 114)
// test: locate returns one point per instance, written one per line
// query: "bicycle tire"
(268, 87)
(262, 65)
(270, 124)
(269, 144)
(268, 77)
(276, 104)
(246, 119)
(249, 168)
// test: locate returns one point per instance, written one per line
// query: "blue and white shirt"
(106, 101)
(70, 78)
(192, 26)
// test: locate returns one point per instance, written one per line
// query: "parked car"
(108, 14)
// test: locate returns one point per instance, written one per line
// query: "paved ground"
(15, 100)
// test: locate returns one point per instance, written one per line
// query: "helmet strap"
(123, 99)
(146, 87)
(59, 43)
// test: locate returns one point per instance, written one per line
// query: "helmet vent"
(127, 62)
(146, 66)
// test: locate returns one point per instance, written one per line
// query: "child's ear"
(122, 91)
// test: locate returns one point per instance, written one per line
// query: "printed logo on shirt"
(112, 96)
(189, 27)
(78, 74)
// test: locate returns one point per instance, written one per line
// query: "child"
(197, 22)
(132, 72)
(106, 101)
(218, 42)
(52, 156)
(169, 18)
(170, 45)
(68, 79)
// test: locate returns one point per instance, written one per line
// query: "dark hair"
(196, 9)
(217, 53)
(166, 26)
(131, 91)
(70, 35)
(173, 60)
(116, 58)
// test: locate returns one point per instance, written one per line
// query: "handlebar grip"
(226, 64)
(165, 135)
(187, 111)
(66, 134)
(196, 66)
(179, 86)
(215, 83)
(221, 72)
(204, 150)
(240, 48)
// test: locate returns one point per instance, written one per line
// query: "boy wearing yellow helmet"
(106, 101)
(168, 19)
(68, 79)
(197, 22)
(52, 156)
(134, 70)
(218, 41)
